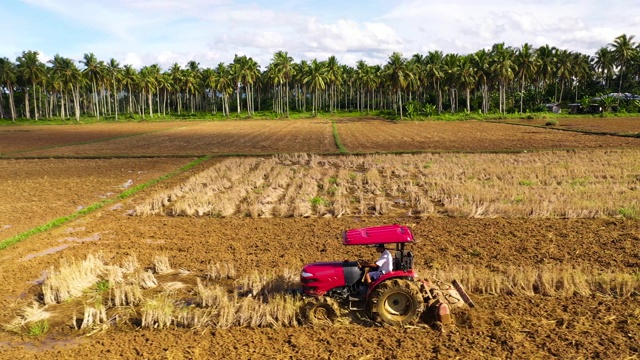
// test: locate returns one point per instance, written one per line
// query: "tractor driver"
(382, 266)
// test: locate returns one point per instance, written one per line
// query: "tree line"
(500, 79)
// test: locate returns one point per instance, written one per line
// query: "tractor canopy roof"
(387, 234)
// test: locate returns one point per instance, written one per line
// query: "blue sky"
(143, 32)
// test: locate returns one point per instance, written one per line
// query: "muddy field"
(517, 326)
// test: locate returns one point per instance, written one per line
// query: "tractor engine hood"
(318, 278)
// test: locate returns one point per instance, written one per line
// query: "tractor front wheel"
(320, 310)
(396, 302)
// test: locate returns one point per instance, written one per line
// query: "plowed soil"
(224, 137)
(501, 327)
(36, 191)
(376, 135)
(628, 126)
(20, 138)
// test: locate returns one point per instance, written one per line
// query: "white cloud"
(134, 60)
(469, 25)
(142, 32)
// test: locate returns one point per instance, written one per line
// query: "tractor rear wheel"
(396, 302)
(320, 310)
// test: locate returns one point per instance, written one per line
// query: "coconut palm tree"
(334, 78)
(275, 76)
(8, 79)
(71, 78)
(546, 56)
(434, 70)
(156, 72)
(360, 73)
(503, 68)
(52, 89)
(301, 70)
(129, 80)
(451, 70)
(94, 73)
(208, 82)
(316, 80)
(526, 63)
(397, 72)
(284, 69)
(165, 85)
(32, 71)
(224, 85)
(413, 85)
(481, 62)
(147, 83)
(236, 71)
(368, 79)
(467, 77)
(624, 50)
(416, 63)
(251, 77)
(113, 71)
(192, 78)
(348, 80)
(604, 63)
(189, 82)
(564, 69)
(582, 70)
(228, 84)
(175, 72)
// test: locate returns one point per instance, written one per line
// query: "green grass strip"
(336, 138)
(125, 194)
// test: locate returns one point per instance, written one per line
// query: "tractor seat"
(403, 260)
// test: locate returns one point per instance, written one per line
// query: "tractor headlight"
(306, 274)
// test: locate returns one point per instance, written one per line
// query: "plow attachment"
(440, 298)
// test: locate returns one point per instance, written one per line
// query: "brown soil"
(377, 135)
(512, 326)
(311, 136)
(501, 327)
(600, 125)
(35, 192)
(228, 137)
(20, 138)
(504, 328)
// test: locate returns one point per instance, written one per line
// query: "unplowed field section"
(607, 125)
(378, 135)
(247, 137)
(34, 192)
(21, 138)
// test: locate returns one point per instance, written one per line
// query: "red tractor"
(395, 298)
